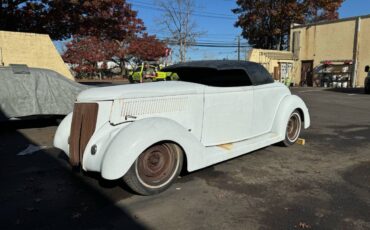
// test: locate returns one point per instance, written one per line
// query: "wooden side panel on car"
(82, 128)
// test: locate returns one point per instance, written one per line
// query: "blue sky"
(216, 29)
(220, 28)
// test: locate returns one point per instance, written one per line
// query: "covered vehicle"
(31, 91)
(217, 110)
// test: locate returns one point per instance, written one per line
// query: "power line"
(209, 44)
(194, 14)
(223, 40)
(195, 11)
(202, 37)
(205, 41)
(218, 46)
(215, 45)
(212, 35)
(221, 34)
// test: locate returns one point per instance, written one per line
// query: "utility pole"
(239, 48)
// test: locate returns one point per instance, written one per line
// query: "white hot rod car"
(144, 133)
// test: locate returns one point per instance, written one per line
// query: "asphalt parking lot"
(322, 185)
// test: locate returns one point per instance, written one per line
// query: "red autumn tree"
(112, 26)
(101, 30)
(63, 18)
(319, 10)
(109, 19)
(22, 15)
(84, 53)
(147, 48)
(266, 23)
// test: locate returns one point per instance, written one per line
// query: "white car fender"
(286, 108)
(133, 139)
(62, 134)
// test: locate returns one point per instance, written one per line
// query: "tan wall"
(364, 50)
(333, 41)
(256, 55)
(35, 50)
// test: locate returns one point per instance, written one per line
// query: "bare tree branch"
(177, 20)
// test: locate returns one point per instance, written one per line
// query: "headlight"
(94, 149)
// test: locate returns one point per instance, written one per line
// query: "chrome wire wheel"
(294, 127)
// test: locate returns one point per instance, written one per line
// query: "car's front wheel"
(293, 129)
(155, 169)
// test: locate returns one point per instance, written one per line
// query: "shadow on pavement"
(346, 208)
(347, 90)
(30, 122)
(348, 137)
(40, 191)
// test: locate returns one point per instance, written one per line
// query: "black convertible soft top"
(257, 74)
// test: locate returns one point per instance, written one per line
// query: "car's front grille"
(82, 128)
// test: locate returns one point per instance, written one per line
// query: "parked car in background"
(367, 80)
(28, 92)
(144, 133)
(138, 75)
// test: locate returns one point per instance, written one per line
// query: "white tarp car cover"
(32, 91)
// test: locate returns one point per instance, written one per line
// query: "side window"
(260, 75)
(210, 77)
(231, 78)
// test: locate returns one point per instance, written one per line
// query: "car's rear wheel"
(293, 129)
(155, 169)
